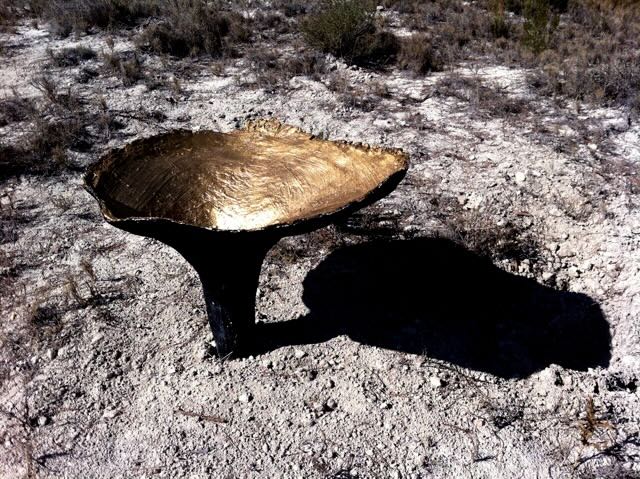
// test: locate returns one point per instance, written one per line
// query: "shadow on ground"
(432, 296)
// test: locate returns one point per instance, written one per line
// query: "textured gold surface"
(266, 174)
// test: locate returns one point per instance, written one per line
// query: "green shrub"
(539, 24)
(348, 29)
(499, 25)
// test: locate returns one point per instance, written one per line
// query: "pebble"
(574, 272)
(520, 177)
(110, 413)
(564, 251)
(97, 338)
(435, 382)
(52, 353)
(332, 404)
(299, 354)
(42, 421)
(245, 398)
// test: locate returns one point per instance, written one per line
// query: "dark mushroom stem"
(228, 264)
(229, 282)
(229, 269)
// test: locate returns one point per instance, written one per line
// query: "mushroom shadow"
(433, 297)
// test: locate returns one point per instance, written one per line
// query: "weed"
(126, 67)
(348, 29)
(15, 108)
(418, 55)
(193, 27)
(592, 425)
(499, 25)
(69, 16)
(274, 70)
(539, 24)
(69, 57)
(492, 101)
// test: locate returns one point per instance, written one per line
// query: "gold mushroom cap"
(265, 175)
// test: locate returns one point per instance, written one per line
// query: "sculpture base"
(229, 269)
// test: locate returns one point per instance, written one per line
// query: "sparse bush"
(69, 57)
(45, 148)
(193, 27)
(292, 8)
(499, 25)
(418, 55)
(15, 109)
(274, 70)
(539, 24)
(81, 15)
(128, 69)
(487, 99)
(348, 29)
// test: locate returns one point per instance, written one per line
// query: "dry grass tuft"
(15, 109)
(274, 70)
(70, 57)
(127, 67)
(349, 29)
(418, 55)
(194, 27)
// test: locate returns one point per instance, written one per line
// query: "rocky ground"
(390, 345)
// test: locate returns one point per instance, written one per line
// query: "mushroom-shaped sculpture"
(222, 200)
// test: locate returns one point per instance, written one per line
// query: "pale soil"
(122, 384)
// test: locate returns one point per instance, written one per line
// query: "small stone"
(267, 363)
(332, 404)
(564, 251)
(42, 421)
(97, 338)
(520, 177)
(52, 353)
(547, 276)
(299, 354)
(385, 405)
(110, 413)
(435, 382)
(574, 272)
(329, 383)
(308, 421)
(245, 398)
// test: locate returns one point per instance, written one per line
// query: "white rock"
(245, 398)
(435, 382)
(565, 251)
(97, 338)
(110, 413)
(42, 421)
(520, 177)
(299, 354)
(574, 272)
